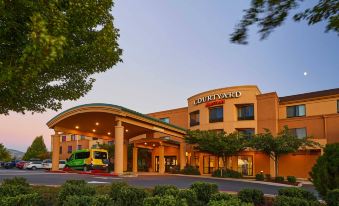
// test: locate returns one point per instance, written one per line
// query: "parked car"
(33, 164)
(47, 164)
(10, 165)
(88, 159)
(20, 164)
(2, 164)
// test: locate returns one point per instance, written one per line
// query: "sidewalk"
(243, 180)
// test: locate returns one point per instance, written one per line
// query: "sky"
(173, 49)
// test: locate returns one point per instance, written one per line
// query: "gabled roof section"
(117, 107)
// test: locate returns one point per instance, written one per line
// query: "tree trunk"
(276, 162)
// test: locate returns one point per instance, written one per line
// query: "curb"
(239, 180)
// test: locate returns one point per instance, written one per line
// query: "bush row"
(262, 177)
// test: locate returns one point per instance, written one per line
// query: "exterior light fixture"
(97, 123)
(93, 130)
(145, 143)
(153, 145)
(76, 127)
(126, 130)
(108, 133)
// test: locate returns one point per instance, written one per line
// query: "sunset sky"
(175, 49)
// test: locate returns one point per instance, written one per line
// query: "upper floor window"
(299, 132)
(194, 118)
(73, 137)
(82, 137)
(246, 132)
(166, 120)
(216, 114)
(95, 138)
(245, 112)
(63, 138)
(296, 111)
(69, 149)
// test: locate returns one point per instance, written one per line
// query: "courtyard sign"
(220, 96)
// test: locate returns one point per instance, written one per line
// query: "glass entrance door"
(170, 163)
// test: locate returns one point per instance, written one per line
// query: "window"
(60, 150)
(82, 137)
(69, 149)
(82, 155)
(245, 112)
(216, 114)
(95, 138)
(100, 155)
(110, 143)
(166, 120)
(246, 132)
(194, 118)
(79, 147)
(299, 132)
(73, 137)
(296, 111)
(245, 165)
(63, 138)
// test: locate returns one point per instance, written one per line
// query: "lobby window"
(69, 149)
(245, 112)
(296, 111)
(63, 138)
(299, 132)
(216, 114)
(245, 165)
(165, 119)
(79, 147)
(246, 132)
(195, 118)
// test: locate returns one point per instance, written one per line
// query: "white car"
(33, 164)
(47, 164)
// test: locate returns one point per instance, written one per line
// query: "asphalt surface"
(41, 177)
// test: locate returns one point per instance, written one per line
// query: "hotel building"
(242, 108)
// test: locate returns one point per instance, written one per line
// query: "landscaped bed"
(78, 193)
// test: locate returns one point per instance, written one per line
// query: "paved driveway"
(44, 178)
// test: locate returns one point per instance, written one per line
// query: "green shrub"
(190, 170)
(49, 195)
(332, 197)
(204, 190)
(190, 196)
(325, 173)
(268, 177)
(74, 188)
(226, 173)
(14, 187)
(279, 179)
(230, 202)
(291, 179)
(124, 195)
(100, 200)
(296, 192)
(220, 196)
(293, 201)
(21, 200)
(167, 200)
(251, 196)
(16, 181)
(162, 190)
(260, 177)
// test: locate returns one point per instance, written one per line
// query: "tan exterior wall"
(332, 128)
(230, 123)
(268, 107)
(64, 155)
(177, 117)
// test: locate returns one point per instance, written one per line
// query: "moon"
(305, 73)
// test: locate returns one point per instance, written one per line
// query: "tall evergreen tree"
(37, 150)
(4, 153)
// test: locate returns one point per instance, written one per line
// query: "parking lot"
(45, 178)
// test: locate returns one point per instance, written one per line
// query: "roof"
(124, 109)
(310, 95)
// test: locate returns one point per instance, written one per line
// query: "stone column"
(55, 153)
(135, 159)
(119, 149)
(182, 152)
(125, 155)
(161, 159)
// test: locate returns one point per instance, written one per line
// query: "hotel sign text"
(227, 95)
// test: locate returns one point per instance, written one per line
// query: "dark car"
(20, 165)
(11, 164)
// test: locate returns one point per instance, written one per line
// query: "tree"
(268, 15)
(37, 150)
(50, 49)
(276, 146)
(4, 153)
(325, 173)
(219, 144)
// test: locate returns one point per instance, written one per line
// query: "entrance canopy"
(112, 122)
